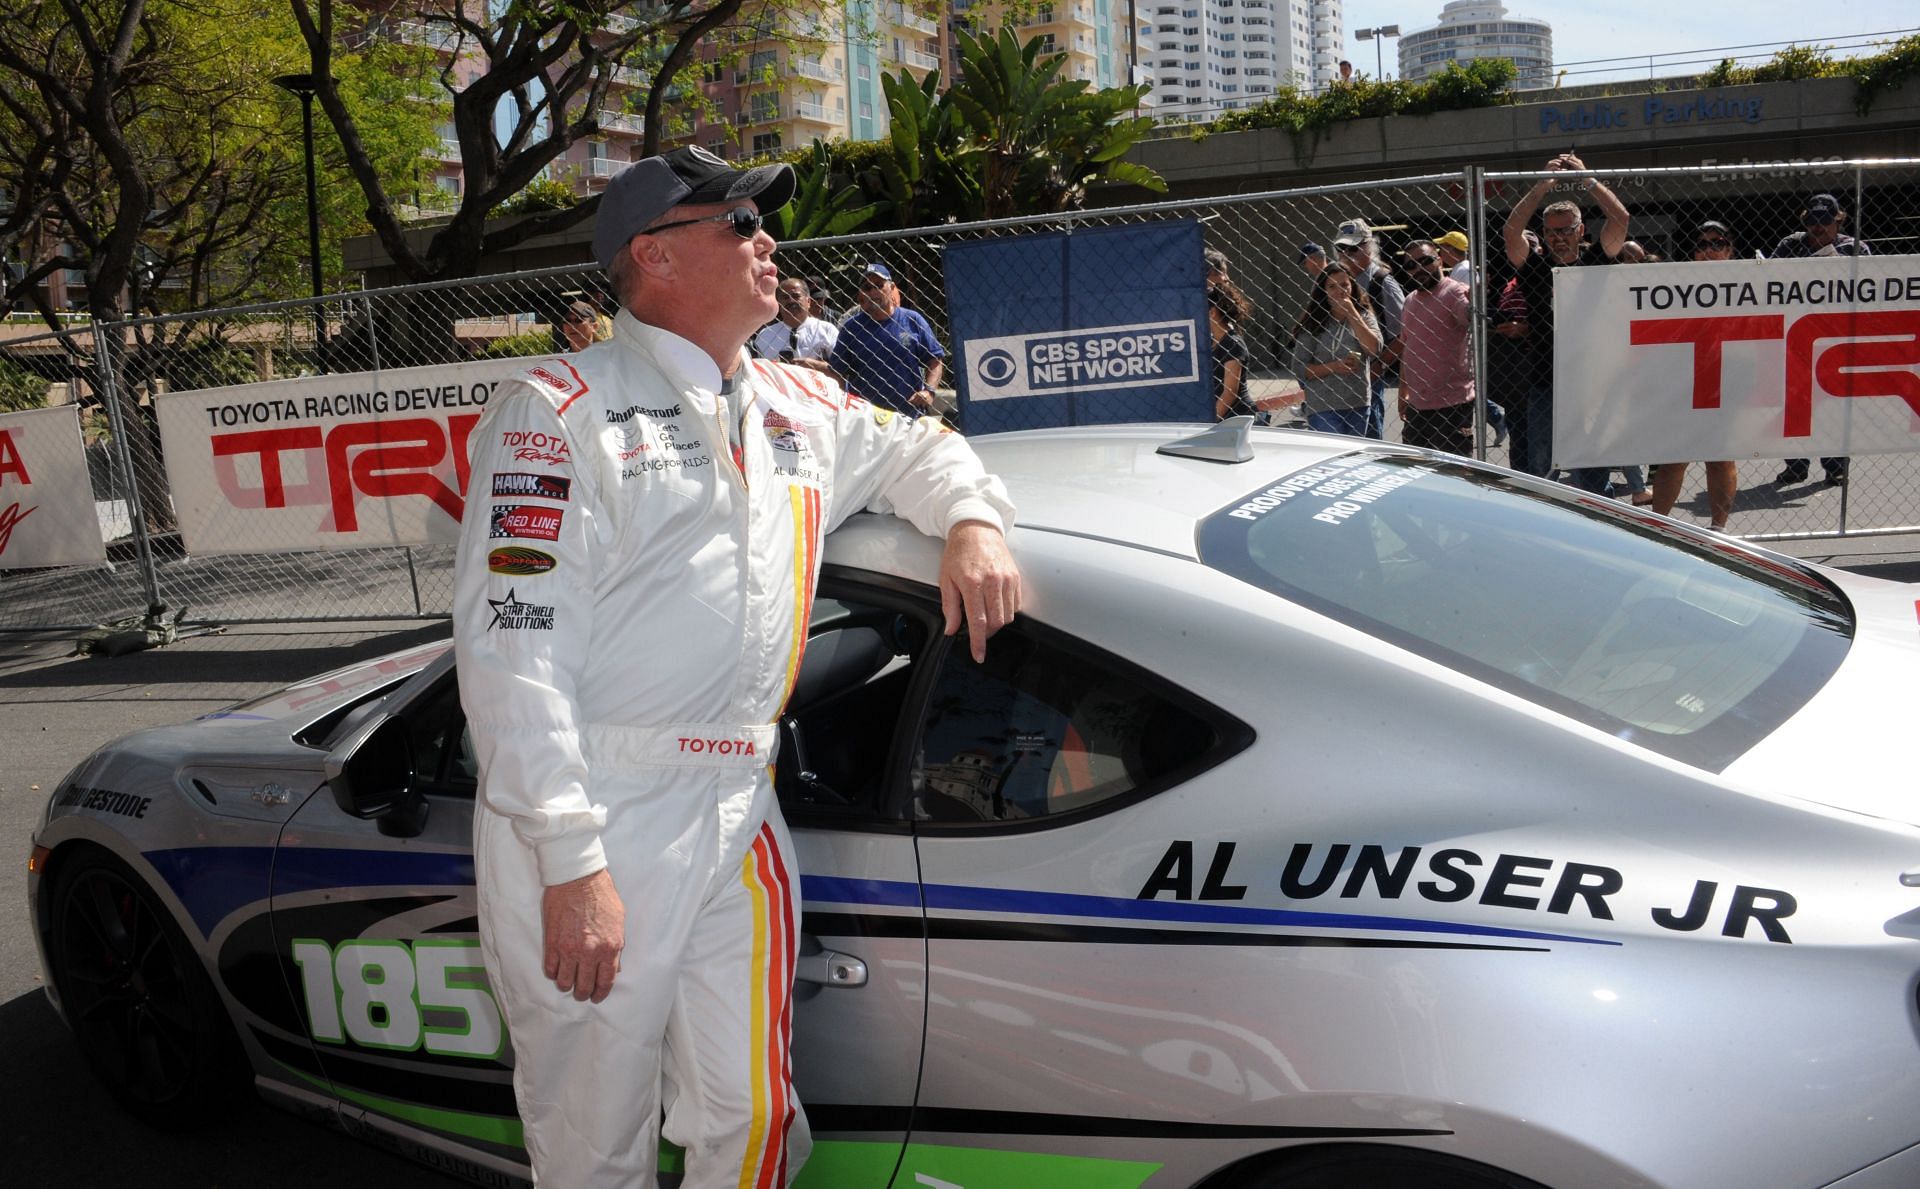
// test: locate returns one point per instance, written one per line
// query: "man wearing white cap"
(632, 589)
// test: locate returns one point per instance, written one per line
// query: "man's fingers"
(951, 605)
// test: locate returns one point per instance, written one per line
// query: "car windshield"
(1691, 646)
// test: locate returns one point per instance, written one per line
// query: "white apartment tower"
(1213, 54)
(1470, 29)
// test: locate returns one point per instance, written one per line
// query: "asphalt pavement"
(63, 1128)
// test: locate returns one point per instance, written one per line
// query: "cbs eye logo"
(997, 368)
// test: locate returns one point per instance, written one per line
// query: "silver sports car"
(1337, 815)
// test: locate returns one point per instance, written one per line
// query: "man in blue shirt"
(887, 353)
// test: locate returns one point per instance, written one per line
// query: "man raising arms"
(634, 580)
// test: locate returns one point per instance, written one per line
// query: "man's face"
(1449, 256)
(1355, 259)
(1423, 266)
(726, 280)
(878, 296)
(794, 303)
(1314, 264)
(1712, 244)
(1822, 227)
(580, 328)
(1563, 237)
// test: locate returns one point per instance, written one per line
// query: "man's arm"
(1515, 230)
(927, 475)
(1614, 233)
(522, 639)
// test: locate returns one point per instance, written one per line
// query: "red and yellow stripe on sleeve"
(806, 557)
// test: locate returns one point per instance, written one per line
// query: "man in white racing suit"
(636, 567)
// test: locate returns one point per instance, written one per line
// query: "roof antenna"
(1229, 441)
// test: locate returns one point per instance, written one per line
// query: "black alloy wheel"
(146, 1016)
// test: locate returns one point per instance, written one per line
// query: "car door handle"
(830, 969)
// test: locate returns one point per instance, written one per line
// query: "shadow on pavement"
(63, 1129)
(219, 660)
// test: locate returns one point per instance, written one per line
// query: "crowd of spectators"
(1370, 324)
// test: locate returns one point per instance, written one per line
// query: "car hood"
(1851, 746)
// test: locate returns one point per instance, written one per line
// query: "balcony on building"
(808, 112)
(919, 60)
(626, 122)
(902, 17)
(814, 69)
(602, 168)
(445, 149)
(628, 76)
(443, 38)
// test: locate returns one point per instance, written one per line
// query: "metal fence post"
(1477, 265)
(106, 364)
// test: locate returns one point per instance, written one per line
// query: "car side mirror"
(371, 775)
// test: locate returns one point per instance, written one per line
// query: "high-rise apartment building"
(1470, 29)
(1214, 54)
(1091, 34)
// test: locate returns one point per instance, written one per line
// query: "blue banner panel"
(1084, 328)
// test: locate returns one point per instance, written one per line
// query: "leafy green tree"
(20, 389)
(523, 81)
(1040, 140)
(821, 206)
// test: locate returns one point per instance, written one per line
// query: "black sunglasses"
(1713, 243)
(1423, 260)
(744, 220)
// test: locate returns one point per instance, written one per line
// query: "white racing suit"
(631, 602)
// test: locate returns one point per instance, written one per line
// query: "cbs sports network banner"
(347, 461)
(1736, 359)
(1091, 327)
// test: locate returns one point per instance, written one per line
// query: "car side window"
(1048, 726)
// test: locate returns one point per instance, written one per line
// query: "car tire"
(137, 998)
(1356, 1166)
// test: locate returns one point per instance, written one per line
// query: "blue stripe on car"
(213, 881)
(959, 897)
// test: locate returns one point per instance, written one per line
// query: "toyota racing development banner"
(328, 462)
(1736, 359)
(47, 516)
(1102, 325)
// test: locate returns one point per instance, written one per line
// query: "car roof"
(1109, 481)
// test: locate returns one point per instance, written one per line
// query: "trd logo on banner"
(1867, 353)
(1100, 359)
(360, 458)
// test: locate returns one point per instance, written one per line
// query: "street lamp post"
(304, 86)
(1376, 35)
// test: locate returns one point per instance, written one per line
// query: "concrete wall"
(1807, 120)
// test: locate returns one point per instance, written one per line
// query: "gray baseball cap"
(652, 186)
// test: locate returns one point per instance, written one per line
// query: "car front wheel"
(147, 1018)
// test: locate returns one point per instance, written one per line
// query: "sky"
(1611, 28)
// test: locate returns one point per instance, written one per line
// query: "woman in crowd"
(1712, 242)
(1227, 308)
(1338, 335)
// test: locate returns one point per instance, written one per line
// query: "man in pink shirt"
(1436, 356)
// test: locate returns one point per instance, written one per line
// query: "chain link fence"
(1295, 369)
